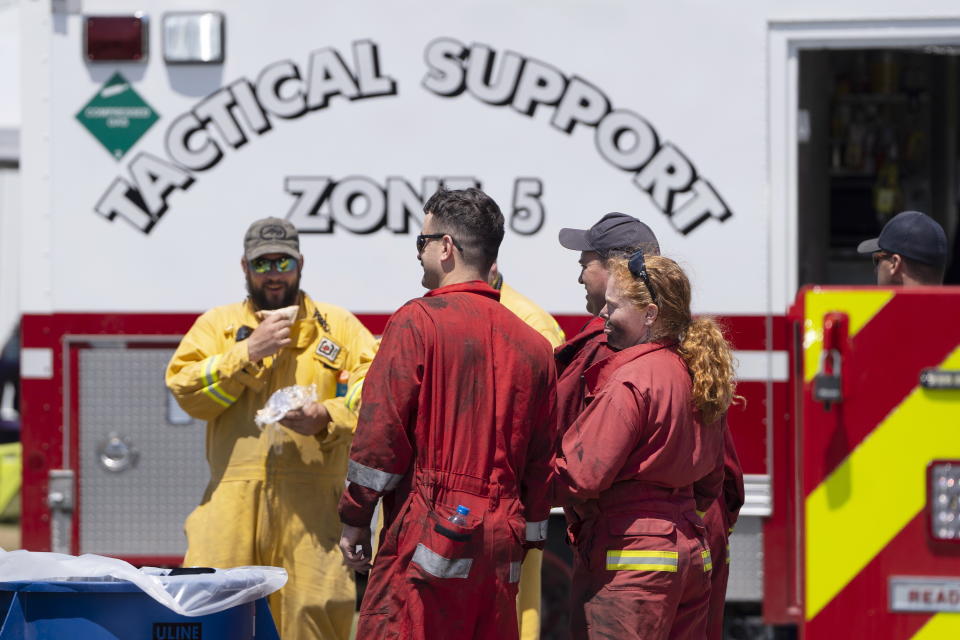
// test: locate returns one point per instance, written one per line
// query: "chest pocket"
(330, 353)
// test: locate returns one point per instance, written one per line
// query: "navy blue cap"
(613, 231)
(913, 235)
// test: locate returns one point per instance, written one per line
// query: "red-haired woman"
(652, 429)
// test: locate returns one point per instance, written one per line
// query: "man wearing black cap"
(619, 234)
(272, 496)
(911, 251)
(614, 234)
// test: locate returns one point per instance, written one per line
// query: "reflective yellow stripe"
(641, 553)
(637, 566)
(222, 392)
(707, 560)
(642, 560)
(211, 379)
(211, 372)
(941, 625)
(214, 393)
(877, 490)
(861, 308)
(353, 395)
(728, 552)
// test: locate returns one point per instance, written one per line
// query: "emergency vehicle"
(760, 141)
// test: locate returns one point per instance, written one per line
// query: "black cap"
(613, 231)
(913, 235)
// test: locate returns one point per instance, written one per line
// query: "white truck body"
(345, 117)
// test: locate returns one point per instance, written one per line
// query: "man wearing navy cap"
(614, 233)
(617, 234)
(911, 251)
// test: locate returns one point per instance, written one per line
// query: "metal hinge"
(60, 500)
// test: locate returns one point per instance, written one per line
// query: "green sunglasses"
(285, 264)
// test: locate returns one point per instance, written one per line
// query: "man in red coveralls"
(458, 409)
(619, 234)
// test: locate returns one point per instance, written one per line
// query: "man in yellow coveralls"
(273, 493)
(526, 309)
(528, 599)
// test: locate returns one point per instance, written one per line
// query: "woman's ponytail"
(710, 361)
(703, 348)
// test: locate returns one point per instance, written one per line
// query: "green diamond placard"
(117, 116)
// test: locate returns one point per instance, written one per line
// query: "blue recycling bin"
(117, 610)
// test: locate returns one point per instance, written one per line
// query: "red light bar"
(115, 38)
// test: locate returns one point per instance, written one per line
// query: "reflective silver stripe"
(515, 572)
(372, 478)
(436, 565)
(537, 531)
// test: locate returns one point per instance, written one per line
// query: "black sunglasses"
(638, 269)
(423, 238)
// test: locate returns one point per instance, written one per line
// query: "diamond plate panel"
(139, 510)
(746, 561)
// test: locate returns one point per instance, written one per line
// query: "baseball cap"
(271, 235)
(913, 235)
(614, 231)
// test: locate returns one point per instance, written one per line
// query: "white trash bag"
(187, 595)
(280, 402)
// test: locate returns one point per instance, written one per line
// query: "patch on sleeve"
(328, 349)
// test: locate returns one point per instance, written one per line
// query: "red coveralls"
(458, 409)
(628, 466)
(720, 517)
(573, 359)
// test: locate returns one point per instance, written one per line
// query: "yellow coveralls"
(528, 311)
(528, 600)
(269, 507)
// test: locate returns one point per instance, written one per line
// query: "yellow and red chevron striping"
(860, 608)
(881, 369)
(864, 462)
(855, 512)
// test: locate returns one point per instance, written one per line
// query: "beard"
(267, 300)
